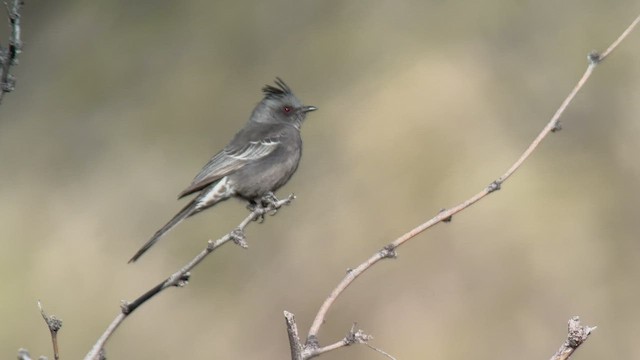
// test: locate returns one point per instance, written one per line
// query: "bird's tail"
(187, 211)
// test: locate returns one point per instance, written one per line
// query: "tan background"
(422, 103)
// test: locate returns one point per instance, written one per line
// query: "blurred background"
(118, 104)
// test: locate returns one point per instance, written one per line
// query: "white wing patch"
(221, 191)
(255, 150)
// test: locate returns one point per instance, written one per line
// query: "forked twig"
(181, 277)
(389, 251)
(54, 324)
(577, 334)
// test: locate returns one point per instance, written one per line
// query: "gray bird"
(259, 160)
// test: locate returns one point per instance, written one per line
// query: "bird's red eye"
(286, 109)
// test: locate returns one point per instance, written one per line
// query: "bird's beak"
(309, 108)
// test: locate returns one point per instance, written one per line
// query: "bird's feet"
(268, 200)
(269, 203)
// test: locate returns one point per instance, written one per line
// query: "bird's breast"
(269, 173)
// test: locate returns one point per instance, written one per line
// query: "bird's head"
(279, 105)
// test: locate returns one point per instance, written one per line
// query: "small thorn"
(389, 252)
(594, 58)
(556, 127)
(124, 307)
(448, 219)
(356, 335)
(289, 199)
(494, 186)
(183, 280)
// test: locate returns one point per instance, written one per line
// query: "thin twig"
(181, 277)
(355, 336)
(311, 353)
(577, 334)
(9, 56)
(94, 354)
(622, 36)
(380, 351)
(54, 324)
(445, 215)
(294, 338)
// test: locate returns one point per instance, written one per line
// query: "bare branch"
(54, 325)
(9, 56)
(446, 215)
(355, 336)
(294, 337)
(181, 277)
(577, 334)
(622, 36)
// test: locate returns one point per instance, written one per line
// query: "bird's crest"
(275, 92)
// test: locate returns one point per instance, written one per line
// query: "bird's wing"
(229, 160)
